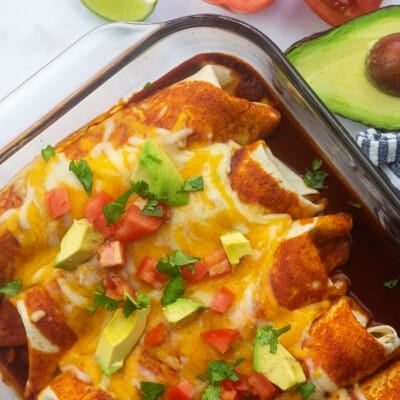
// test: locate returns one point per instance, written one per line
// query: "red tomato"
(155, 336)
(200, 270)
(133, 225)
(243, 6)
(111, 254)
(116, 286)
(220, 339)
(182, 391)
(237, 386)
(57, 202)
(335, 12)
(261, 387)
(217, 263)
(94, 213)
(147, 272)
(222, 300)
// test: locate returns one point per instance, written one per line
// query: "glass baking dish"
(114, 61)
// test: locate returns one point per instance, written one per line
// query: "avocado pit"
(383, 64)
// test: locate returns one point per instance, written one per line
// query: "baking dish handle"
(82, 61)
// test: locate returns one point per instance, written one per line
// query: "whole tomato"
(243, 6)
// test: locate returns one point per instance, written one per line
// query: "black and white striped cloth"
(383, 149)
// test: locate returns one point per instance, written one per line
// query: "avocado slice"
(156, 169)
(118, 339)
(236, 245)
(182, 310)
(334, 65)
(78, 244)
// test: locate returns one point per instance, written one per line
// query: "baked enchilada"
(164, 251)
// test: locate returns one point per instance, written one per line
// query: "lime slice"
(121, 10)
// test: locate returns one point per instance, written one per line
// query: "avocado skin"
(333, 63)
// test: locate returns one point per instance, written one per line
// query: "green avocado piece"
(118, 339)
(334, 65)
(78, 244)
(182, 310)
(281, 368)
(156, 169)
(236, 245)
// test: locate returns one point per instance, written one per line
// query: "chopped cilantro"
(212, 392)
(268, 335)
(151, 390)
(152, 209)
(306, 389)
(173, 290)
(193, 184)
(218, 370)
(130, 305)
(171, 265)
(11, 288)
(315, 178)
(147, 85)
(48, 152)
(114, 210)
(100, 299)
(83, 172)
(391, 283)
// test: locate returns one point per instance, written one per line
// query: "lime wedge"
(121, 10)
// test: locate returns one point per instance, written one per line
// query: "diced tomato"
(155, 336)
(243, 6)
(57, 202)
(111, 254)
(220, 339)
(116, 286)
(148, 272)
(217, 263)
(228, 394)
(200, 270)
(133, 225)
(94, 213)
(261, 387)
(182, 391)
(222, 300)
(239, 387)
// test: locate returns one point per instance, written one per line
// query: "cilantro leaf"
(268, 335)
(173, 290)
(83, 172)
(315, 178)
(100, 299)
(11, 288)
(153, 209)
(114, 210)
(48, 152)
(130, 305)
(212, 392)
(147, 85)
(171, 265)
(151, 390)
(218, 370)
(193, 184)
(391, 283)
(306, 389)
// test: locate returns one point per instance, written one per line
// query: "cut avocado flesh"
(156, 169)
(333, 64)
(182, 310)
(118, 339)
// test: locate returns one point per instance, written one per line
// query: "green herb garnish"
(315, 178)
(83, 172)
(306, 389)
(151, 390)
(48, 152)
(153, 209)
(392, 283)
(147, 85)
(173, 290)
(130, 305)
(193, 184)
(268, 335)
(100, 299)
(212, 392)
(11, 288)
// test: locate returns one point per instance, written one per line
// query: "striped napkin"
(383, 149)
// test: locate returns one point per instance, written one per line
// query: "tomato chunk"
(220, 339)
(133, 225)
(94, 213)
(261, 387)
(222, 300)
(217, 263)
(199, 272)
(148, 272)
(111, 254)
(182, 391)
(243, 6)
(155, 336)
(115, 286)
(57, 202)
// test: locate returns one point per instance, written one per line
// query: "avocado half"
(334, 65)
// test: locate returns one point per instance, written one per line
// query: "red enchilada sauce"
(373, 260)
